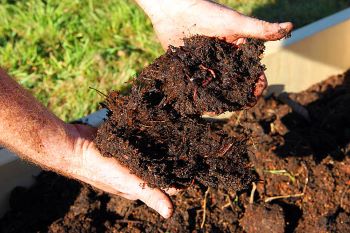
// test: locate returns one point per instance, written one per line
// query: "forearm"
(29, 129)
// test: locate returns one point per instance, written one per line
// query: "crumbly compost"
(157, 131)
(310, 187)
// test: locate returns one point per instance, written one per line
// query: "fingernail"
(164, 209)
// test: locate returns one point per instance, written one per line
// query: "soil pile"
(301, 189)
(303, 150)
(157, 131)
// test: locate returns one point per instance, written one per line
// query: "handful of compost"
(157, 130)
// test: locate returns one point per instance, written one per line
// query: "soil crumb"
(157, 131)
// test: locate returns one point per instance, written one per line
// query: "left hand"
(86, 164)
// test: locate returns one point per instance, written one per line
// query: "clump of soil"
(302, 155)
(157, 131)
(301, 188)
(260, 218)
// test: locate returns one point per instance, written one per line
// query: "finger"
(260, 29)
(118, 180)
(128, 196)
(260, 85)
(157, 200)
(114, 192)
(239, 41)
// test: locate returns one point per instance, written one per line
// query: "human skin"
(35, 134)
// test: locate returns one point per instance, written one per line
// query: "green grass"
(59, 48)
(300, 12)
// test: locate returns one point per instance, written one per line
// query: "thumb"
(260, 29)
(157, 200)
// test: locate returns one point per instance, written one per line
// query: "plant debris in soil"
(158, 132)
(303, 167)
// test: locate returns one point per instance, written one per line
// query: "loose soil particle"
(286, 155)
(157, 131)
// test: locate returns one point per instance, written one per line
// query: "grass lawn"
(58, 49)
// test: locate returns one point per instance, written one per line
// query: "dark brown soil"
(261, 218)
(304, 158)
(157, 131)
(313, 185)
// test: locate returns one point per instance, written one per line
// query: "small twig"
(239, 118)
(205, 206)
(100, 92)
(307, 177)
(252, 193)
(129, 221)
(229, 202)
(224, 150)
(269, 199)
(146, 126)
(226, 205)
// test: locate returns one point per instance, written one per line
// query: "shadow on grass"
(11, 1)
(299, 12)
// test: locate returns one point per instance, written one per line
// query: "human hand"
(67, 149)
(174, 20)
(109, 175)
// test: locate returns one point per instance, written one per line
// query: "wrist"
(34, 133)
(76, 160)
(60, 153)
